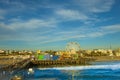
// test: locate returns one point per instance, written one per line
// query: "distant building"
(117, 52)
(2, 51)
(38, 51)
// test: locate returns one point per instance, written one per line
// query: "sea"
(96, 71)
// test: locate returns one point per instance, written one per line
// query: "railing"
(17, 65)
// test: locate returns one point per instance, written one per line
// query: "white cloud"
(112, 28)
(1, 17)
(30, 24)
(2, 13)
(104, 30)
(71, 14)
(50, 36)
(28, 37)
(95, 6)
(62, 38)
(88, 32)
(83, 12)
(95, 34)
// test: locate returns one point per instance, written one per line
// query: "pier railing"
(17, 65)
(60, 62)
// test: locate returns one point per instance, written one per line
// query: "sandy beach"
(107, 58)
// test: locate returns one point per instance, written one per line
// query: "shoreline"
(107, 58)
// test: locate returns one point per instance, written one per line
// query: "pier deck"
(60, 62)
(17, 65)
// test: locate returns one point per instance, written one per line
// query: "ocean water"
(97, 71)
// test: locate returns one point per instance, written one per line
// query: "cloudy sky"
(51, 24)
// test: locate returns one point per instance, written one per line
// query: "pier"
(18, 65)
(26, 63)
(32, 63)
(7, 70)
(49, 63)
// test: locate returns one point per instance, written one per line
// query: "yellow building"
(38, 51)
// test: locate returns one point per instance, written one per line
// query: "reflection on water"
(100, 71)
(72, 73)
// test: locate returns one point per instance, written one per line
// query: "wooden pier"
(17, 65)
(47, 63)
(7, 70)
(32, 63)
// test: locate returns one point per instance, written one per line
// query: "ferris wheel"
(72, 45)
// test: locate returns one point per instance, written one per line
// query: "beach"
(107, 58)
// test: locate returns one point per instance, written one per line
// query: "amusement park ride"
(73, 46)
(71, 51)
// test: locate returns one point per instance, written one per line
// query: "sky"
(51, 24)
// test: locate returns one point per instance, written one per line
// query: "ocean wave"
(113, 67)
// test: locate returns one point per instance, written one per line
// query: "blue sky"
(51, 24)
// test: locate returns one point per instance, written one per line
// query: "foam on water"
(112, 66)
